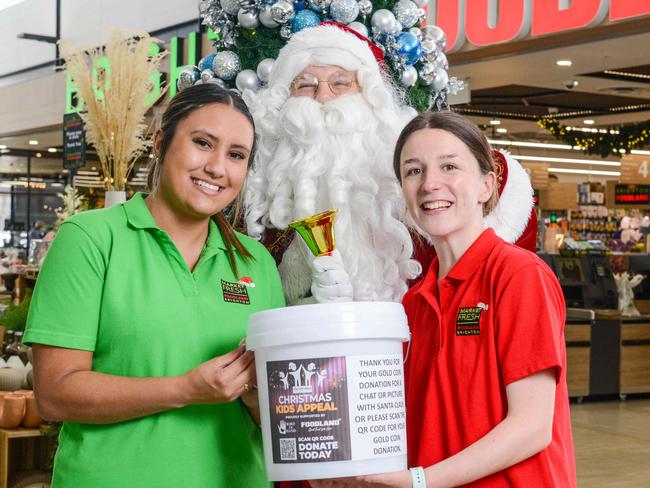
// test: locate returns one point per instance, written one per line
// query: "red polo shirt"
(498, 318)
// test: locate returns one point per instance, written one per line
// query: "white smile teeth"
(206, 185)
(436, 205)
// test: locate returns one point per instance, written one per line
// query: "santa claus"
(327, 122)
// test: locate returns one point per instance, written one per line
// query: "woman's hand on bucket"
(221, 379)
(397, 479)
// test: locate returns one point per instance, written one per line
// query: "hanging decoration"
(603, 142)
(252, 32)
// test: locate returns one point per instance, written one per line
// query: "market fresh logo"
(235, 293)
(468, 320)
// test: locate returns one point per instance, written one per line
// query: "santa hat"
(513, 219)
(326, 44)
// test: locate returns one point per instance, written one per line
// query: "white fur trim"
(322, 45)
(295, 272)
(510, 217)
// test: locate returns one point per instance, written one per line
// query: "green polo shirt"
(115, 284)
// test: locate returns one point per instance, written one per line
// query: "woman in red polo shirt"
(486, 394)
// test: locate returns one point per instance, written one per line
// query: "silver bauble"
(186, 78)
(248, 19)
(442, 60)
(247, 80)
(282, 11)
(285, 32)
(231, 7)
(422, 16)
(319, 5)
(226, 65)
(206, 75)
(427, 73)
(406, 12)
(264, 69)
(382, 21)
(409, 76)
(397, 28)
(365, 7)
(344, 11)
(440, 79)
(435, 33)
(359, 27)
(416, 32)
(429, 48)
(266, 18)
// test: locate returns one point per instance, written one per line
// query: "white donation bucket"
(331, 389)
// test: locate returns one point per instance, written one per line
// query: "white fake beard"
(336, 155)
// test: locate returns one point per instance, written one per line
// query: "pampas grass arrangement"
(115, 121)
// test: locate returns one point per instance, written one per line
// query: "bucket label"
(337, 409)
(308, 399)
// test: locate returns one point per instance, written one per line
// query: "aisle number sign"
(538, 174)
(635, 169)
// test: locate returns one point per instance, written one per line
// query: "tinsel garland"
(610, 141)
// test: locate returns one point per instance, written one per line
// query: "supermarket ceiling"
(604, 76)
(608, 75)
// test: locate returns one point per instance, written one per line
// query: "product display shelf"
(21, 449)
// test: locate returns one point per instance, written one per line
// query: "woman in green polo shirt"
(139, 311)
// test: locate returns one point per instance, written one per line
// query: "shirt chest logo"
(468, 320)
(235, 293)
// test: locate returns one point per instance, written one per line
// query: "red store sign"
(486, 22)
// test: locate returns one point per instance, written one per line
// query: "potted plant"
(115, 84)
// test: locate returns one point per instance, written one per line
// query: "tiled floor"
(612, 443)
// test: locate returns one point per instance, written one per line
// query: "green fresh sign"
(177, 62)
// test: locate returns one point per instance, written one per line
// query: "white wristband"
(417, 477)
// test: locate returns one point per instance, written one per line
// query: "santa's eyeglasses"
(307, 84)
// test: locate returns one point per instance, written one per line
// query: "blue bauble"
(410, 47)
(298, 6)
(206, 62)
(304, 19)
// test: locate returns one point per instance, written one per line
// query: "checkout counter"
(606, 353)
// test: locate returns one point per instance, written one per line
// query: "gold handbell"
(318, 232)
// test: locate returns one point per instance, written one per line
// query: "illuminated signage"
(486, 22)
(182, 53)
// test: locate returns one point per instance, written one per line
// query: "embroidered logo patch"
(235, 293)
(468, 320)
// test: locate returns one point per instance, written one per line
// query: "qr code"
(288, 450)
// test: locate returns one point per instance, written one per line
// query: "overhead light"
(592, 162)
(589, 122)
(2, 146)
(584, 172)
(56, 185)
(33, 142)
(541, 145)
(564, 62)
(502, 130)
(638, 151)
(495, 122)
(4, 151)
(39, 155)
(51, 149)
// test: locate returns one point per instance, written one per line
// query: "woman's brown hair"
(460, 127)
(181, 106)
